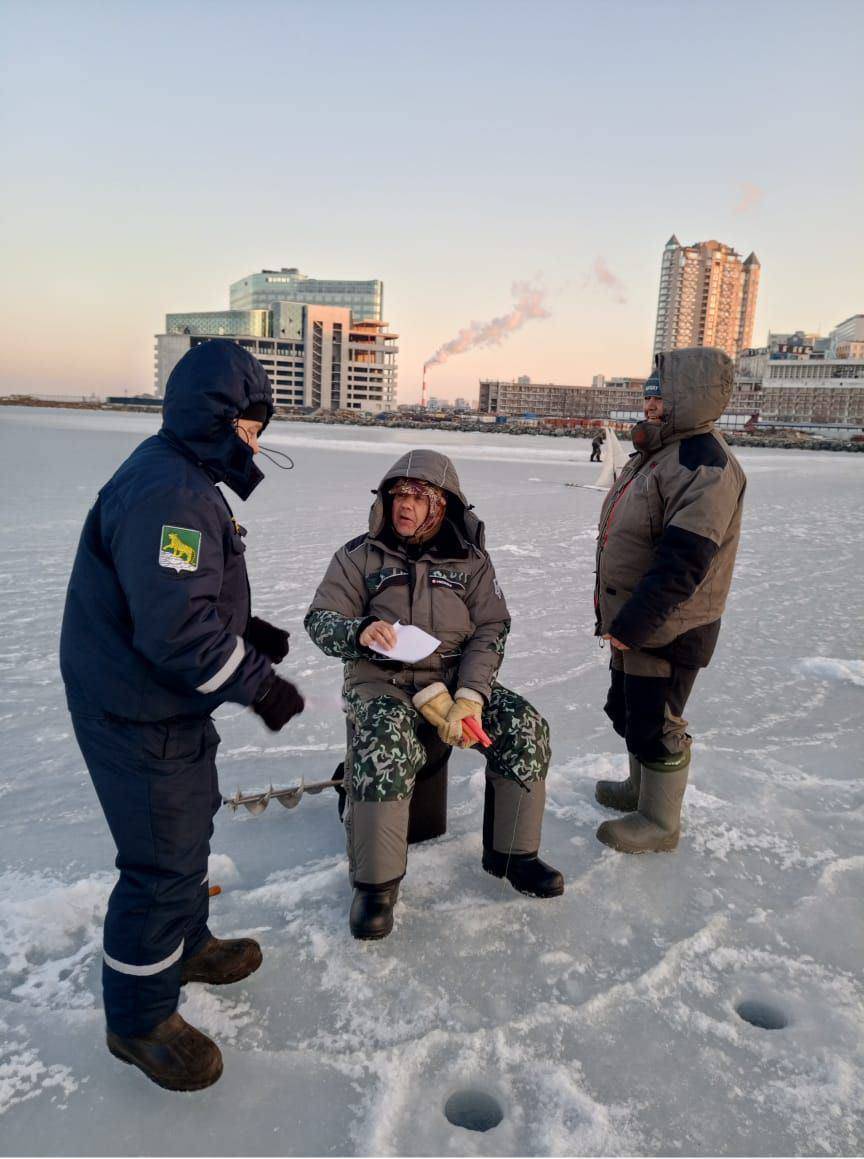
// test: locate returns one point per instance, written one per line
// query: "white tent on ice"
(613, 462)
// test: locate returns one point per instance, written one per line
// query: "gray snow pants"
(385, 756)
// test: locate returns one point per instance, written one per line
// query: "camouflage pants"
(386, 756)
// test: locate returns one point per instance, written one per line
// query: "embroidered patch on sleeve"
(179, 548)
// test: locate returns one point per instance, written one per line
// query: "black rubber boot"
(174, 1055)
(222, 961)
(621, 795)
(655, 827)
(371, 914)
(525, 872)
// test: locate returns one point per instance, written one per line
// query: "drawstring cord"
(268, 454)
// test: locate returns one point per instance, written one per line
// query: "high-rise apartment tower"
(707, 297)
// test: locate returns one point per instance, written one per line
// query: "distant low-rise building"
(810, 393)
(847, 339)
(549, 399)
(800, 378)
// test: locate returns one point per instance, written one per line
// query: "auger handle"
(472, 727)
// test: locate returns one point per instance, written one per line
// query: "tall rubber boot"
(622, 795)
(655, 827)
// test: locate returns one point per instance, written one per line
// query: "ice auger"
(290, 798)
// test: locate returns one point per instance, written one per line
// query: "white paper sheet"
(412, 644)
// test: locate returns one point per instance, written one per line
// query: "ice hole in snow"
(474, 1110)
(761, 1014)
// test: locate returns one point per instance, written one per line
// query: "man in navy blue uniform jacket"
(157, 633)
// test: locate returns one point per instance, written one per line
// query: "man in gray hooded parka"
(423, 562)
(668, 535)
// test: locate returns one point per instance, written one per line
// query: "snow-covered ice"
(602, 1023)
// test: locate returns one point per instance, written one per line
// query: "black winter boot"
(622, 795)
(371, 914)
(525, 872)
(221, 961)
(174, 1055)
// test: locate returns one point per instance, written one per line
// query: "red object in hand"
(473, 728)
(214, 890)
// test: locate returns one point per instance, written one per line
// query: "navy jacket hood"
(211, 385)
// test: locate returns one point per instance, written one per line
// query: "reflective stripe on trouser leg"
(154, 782)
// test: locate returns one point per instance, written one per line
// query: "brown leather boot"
(174, 1055)
(222, 961)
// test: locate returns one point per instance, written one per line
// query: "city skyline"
(561, 153)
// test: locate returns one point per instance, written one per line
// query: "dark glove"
(277, 701)
(263, 637)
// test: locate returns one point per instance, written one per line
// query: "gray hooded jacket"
(446, 587)
(669, 527)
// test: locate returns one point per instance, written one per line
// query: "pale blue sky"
(153, 153)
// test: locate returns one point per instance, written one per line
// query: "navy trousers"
(158, 788)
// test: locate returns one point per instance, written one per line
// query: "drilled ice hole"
(762, 1014)
(474, 1110)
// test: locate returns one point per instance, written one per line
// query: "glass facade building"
(260, 291)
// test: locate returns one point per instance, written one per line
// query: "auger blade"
(290, 798)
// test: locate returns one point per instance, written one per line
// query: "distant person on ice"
(157, 633)
(596, 447)
(666, 547)
(423, 562)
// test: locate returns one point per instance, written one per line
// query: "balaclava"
(257, 412)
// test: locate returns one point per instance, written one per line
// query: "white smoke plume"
(751, 197)
(601, 273)
(529, 303)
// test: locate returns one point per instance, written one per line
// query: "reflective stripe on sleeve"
(226, 671)
(143, 971)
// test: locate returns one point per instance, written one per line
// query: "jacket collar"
(447, 544)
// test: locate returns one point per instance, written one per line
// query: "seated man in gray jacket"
(423, 562)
